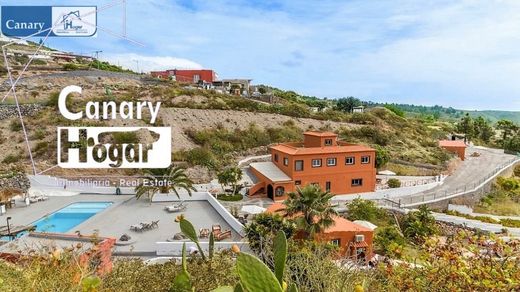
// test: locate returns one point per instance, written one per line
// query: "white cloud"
(150, 63)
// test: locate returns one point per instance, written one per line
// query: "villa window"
(327, 186)
(316, 163)
(328, 142)
(298, 165)
(276, 158)
(357, 182)
(285, 161)
(336, 242)
(365, 159)
(331, 161)
(297, 183)
(279, 191)
(350, 160)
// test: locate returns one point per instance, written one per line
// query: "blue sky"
(453, 53)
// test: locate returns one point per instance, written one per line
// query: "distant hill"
(449, 113)
(497, 115)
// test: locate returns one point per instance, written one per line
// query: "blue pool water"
(69, 217)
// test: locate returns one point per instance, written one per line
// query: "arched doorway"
(270, 192)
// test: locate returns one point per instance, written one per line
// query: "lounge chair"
(144, 226)
(176, 207)
(136, 227)
(216, 229)
(223, 235)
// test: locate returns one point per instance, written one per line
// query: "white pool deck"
(125, 211)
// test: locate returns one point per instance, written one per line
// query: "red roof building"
(455, 146)
(187, 76)
(354, 241)
(336, 166)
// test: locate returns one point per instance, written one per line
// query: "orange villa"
(354, 240)
(336, 166)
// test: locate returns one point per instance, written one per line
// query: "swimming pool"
(69, 217)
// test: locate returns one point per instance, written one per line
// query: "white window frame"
(357, 179)
(316, 160)
(295, 168)
(365, 159)
(328, 140)
(336, 241)
(350, 157)
(285, 161)
(332, 159)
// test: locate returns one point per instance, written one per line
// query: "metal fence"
(410, 183)
(434, 196)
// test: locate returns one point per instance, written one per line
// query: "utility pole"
(97, 57)
(8, 227)
(137, 61)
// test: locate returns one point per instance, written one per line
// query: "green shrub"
(11, 158)
(125, 137)
(393, 183)
(15, 125)
(508, 184)
(516, 171)
(70, 67)
(52, 101)
(382, 156)
(362, 118)
(510, 223)
(230, 198)
(39, 134)
(201, 156)
(38, 62)
(396, 110)
(418, 225)
(360, 209)
(41, 147)
(369, 134)
(389, 241)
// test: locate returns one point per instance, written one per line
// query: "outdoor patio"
(124, 212)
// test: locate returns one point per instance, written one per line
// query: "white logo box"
(74, 21)
(157, 157)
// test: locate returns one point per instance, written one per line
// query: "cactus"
(90, 284)
(211, 246)
(280, 255)
(188, 230)
(182, 281)
(255, 275)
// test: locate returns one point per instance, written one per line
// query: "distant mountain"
(496, 115)
(450, 113)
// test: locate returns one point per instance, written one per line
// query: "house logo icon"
(68, 20)
(77, 21)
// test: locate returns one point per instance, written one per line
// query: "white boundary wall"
(175, 248)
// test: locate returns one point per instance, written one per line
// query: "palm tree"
(312, 209)
(164, 180)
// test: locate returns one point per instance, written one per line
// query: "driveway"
(473, 172)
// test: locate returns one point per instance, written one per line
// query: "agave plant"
(253, 273)
(172, 179)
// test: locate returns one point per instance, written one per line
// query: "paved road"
(470, 174)
(490, 227)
